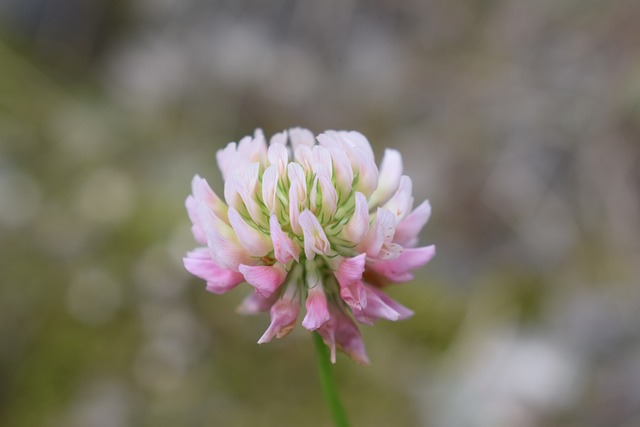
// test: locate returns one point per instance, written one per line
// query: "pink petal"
(349, 275)
(380, 306)
(199, 263)
(317, 311)
(408, 229)
(283, 246)
(284, 314)
(265, 278)
(398, 270)
(348, 338)
(255, 242)
(255, 303)
(315, 240)
(342, 332)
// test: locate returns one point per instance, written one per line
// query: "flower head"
(309, 221)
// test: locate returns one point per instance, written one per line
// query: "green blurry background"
(519, 120)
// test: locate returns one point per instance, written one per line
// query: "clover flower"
(309, 220)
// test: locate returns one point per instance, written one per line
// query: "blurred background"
(519, 120)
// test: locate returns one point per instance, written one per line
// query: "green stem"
(329, 388)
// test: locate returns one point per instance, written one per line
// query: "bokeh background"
(519, 120)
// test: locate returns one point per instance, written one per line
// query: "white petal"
(390, 173)
(358, 224)
(315, 240)
(255, 242)
(402, 201)
(270, 187)
(300, 136)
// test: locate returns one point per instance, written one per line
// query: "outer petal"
(300, 136)
(317, 310)
(283, 246)
(284, 314)
(255, 303)
(380, 306)
(199, 263)
(315, 240)
(382, 231)
(342, 332)
(402, 201)
(256, 243)
(265, 278)
(226, 158)
(278, 138)
(349, 276)
(408, 229)
(222, 241)
(202, 193)
(196, 229)
(399, 269)
(390, 173)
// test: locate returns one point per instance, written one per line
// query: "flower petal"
(399, 269)
(297, 195)
(265, 278)
(380, 306)
(342, 332)
(402, 201)
(324, 206)
(358, 225)
(255, 242)
(408, 229)
(316, 305)
(278, 156)
(315, 240)
(300, 136)
(270, 188)
(382, 230)
(284, 248)
(222, 241)
(199, 263)
(255, 303)
(390, 173)
(284, 314)
(349, 275)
